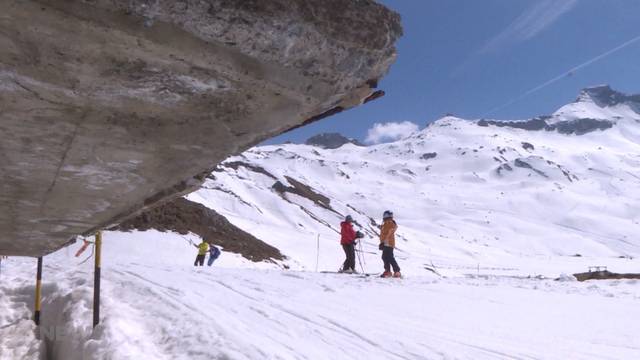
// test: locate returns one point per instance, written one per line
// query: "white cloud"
(531, 22)
(390, 131)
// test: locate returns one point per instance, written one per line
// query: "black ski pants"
(350, 261)
(199, 260)
(389, 260)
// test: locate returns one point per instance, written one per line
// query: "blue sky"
(470, 58)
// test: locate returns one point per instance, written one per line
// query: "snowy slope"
(465, 193)
(159, 307)
(486, 204)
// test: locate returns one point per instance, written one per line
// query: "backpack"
(214, 252)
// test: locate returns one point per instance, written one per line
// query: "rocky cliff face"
(113, 106)
(605, 96)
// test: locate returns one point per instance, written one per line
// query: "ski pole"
(359, 256)
(364, 262)
(317, 251)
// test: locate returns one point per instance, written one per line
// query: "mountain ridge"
(463, 193)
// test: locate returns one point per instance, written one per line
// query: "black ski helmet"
(387, 214)
(348, 218)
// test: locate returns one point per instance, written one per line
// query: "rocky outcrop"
(581, 126)
(304, 191)
(527, 146)
(533, 124)
(330, 141)
(184, 216)
(427, 156)
(605, 96)
(569, 127)
(110, 107)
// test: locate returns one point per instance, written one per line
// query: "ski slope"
(523, 202)
(489, 217)
(161, 307)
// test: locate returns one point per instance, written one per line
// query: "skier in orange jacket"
(387, 244)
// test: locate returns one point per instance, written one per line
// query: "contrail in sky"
(563, 75)
(534, 20)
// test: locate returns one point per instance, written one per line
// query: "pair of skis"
(352, 273)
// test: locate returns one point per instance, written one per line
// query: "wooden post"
(96, 280)
(36, 316)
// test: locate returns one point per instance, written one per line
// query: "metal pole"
(317, 251)
(96, 280)
(361, 256)
(36, 316)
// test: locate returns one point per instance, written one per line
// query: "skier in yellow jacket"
(387, 244)
(203, 247)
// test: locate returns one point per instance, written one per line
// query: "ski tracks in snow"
(177, 324)
(213, 313)
(180, 312)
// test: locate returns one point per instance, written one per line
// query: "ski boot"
(397, 274)
(386, 274)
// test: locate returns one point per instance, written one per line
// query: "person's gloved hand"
(381, 246)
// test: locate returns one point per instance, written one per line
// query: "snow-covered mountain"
(488, 204)
(521, 195)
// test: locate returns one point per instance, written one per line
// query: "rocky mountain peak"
(330, 141)
(605, 96)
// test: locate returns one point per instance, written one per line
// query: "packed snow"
(156, 305)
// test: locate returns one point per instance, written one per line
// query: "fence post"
(96, 279)
(36, 315)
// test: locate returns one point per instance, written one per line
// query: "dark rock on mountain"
(184, 216)
(581, 126)
(525, 165)
(330, 141)
(427, 156)
(503, 167)
(577, 127)
(237, 164)
(527, 146)
(303, 190)
(604, 96)
(533, 124)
